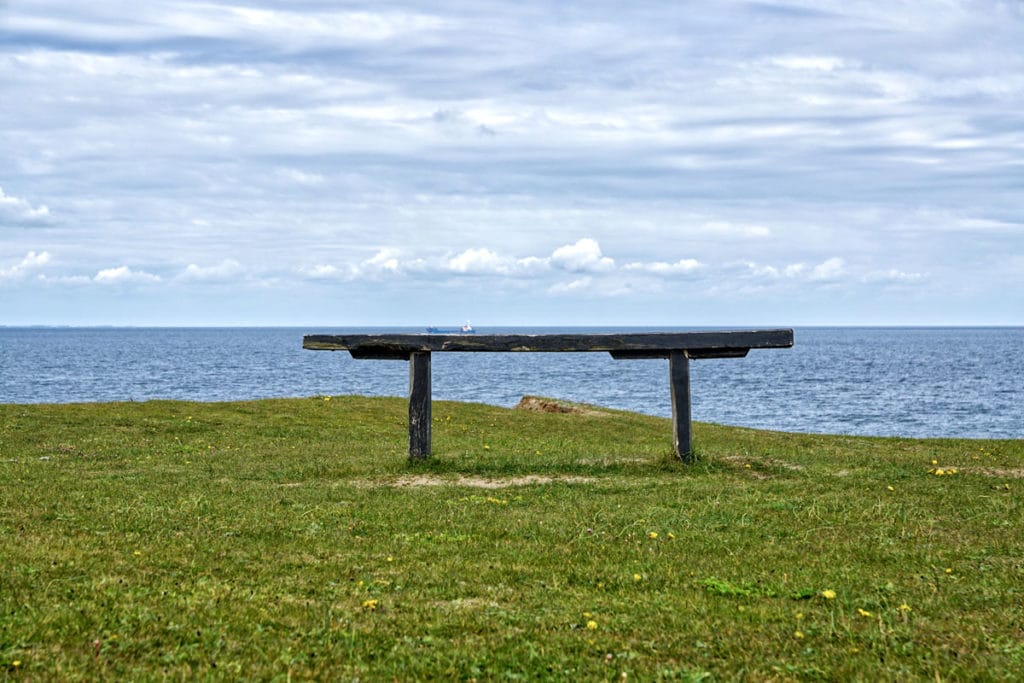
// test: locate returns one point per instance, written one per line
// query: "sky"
(314, 163)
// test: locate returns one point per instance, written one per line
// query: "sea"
(914, 382)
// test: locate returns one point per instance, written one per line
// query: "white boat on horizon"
(465, 329)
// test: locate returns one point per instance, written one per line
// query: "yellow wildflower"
(798, 634)
(828, 594)
(390, 559)
(637, 577)
(652, 535)
(949, 570)
(890, 488)
(904, 607)
(863, 612)
(671, 535)
(591, 625)
(370, 604)
(939, 472)
(16, 663)
(935, 462)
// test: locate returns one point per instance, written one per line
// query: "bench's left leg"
(679, 376)
(419, 405)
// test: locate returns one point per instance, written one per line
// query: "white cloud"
(893, 276)
(225, 270)
(583, 256)
(17, 210)
(726, 228)
(31, 262)
(827, 270)
(831, 269)
(309, 28)
(124, 275)
(680, 267)
(479, 261)
(532, 264)
(807, 63)
(385, 260)
(294, 175)
(760, 270)
(281, 28)
(326, 272)
(573, 287)
(597, 274)
(986, 225)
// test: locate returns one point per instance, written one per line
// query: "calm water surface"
(920, 382)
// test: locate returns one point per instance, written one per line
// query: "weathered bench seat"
(678, 347)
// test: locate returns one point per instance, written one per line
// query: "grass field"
(292, 539)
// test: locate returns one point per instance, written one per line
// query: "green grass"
(292, 539)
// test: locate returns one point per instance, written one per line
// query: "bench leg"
(419, 405)
(679, 376)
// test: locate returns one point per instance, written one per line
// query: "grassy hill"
(293, 539)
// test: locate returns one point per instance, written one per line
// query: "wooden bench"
(678, 347)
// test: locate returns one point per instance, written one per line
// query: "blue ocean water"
(919, 382)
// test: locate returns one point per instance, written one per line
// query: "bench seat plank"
(716, 344)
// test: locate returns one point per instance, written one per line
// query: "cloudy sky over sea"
(403, 163)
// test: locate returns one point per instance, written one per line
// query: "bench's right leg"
(679, 376)
(419, 405)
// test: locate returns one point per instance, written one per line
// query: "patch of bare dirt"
(539, 404)
(467, 603)
(995, 472)
(611, 460)
(68, 449)
(479, 482)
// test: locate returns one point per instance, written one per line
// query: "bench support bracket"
(419, 405)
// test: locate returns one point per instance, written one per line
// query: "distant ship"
(465, 329)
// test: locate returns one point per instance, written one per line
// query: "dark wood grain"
(692, 354)
(679, 382)
(419, 405)
(713, 344)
